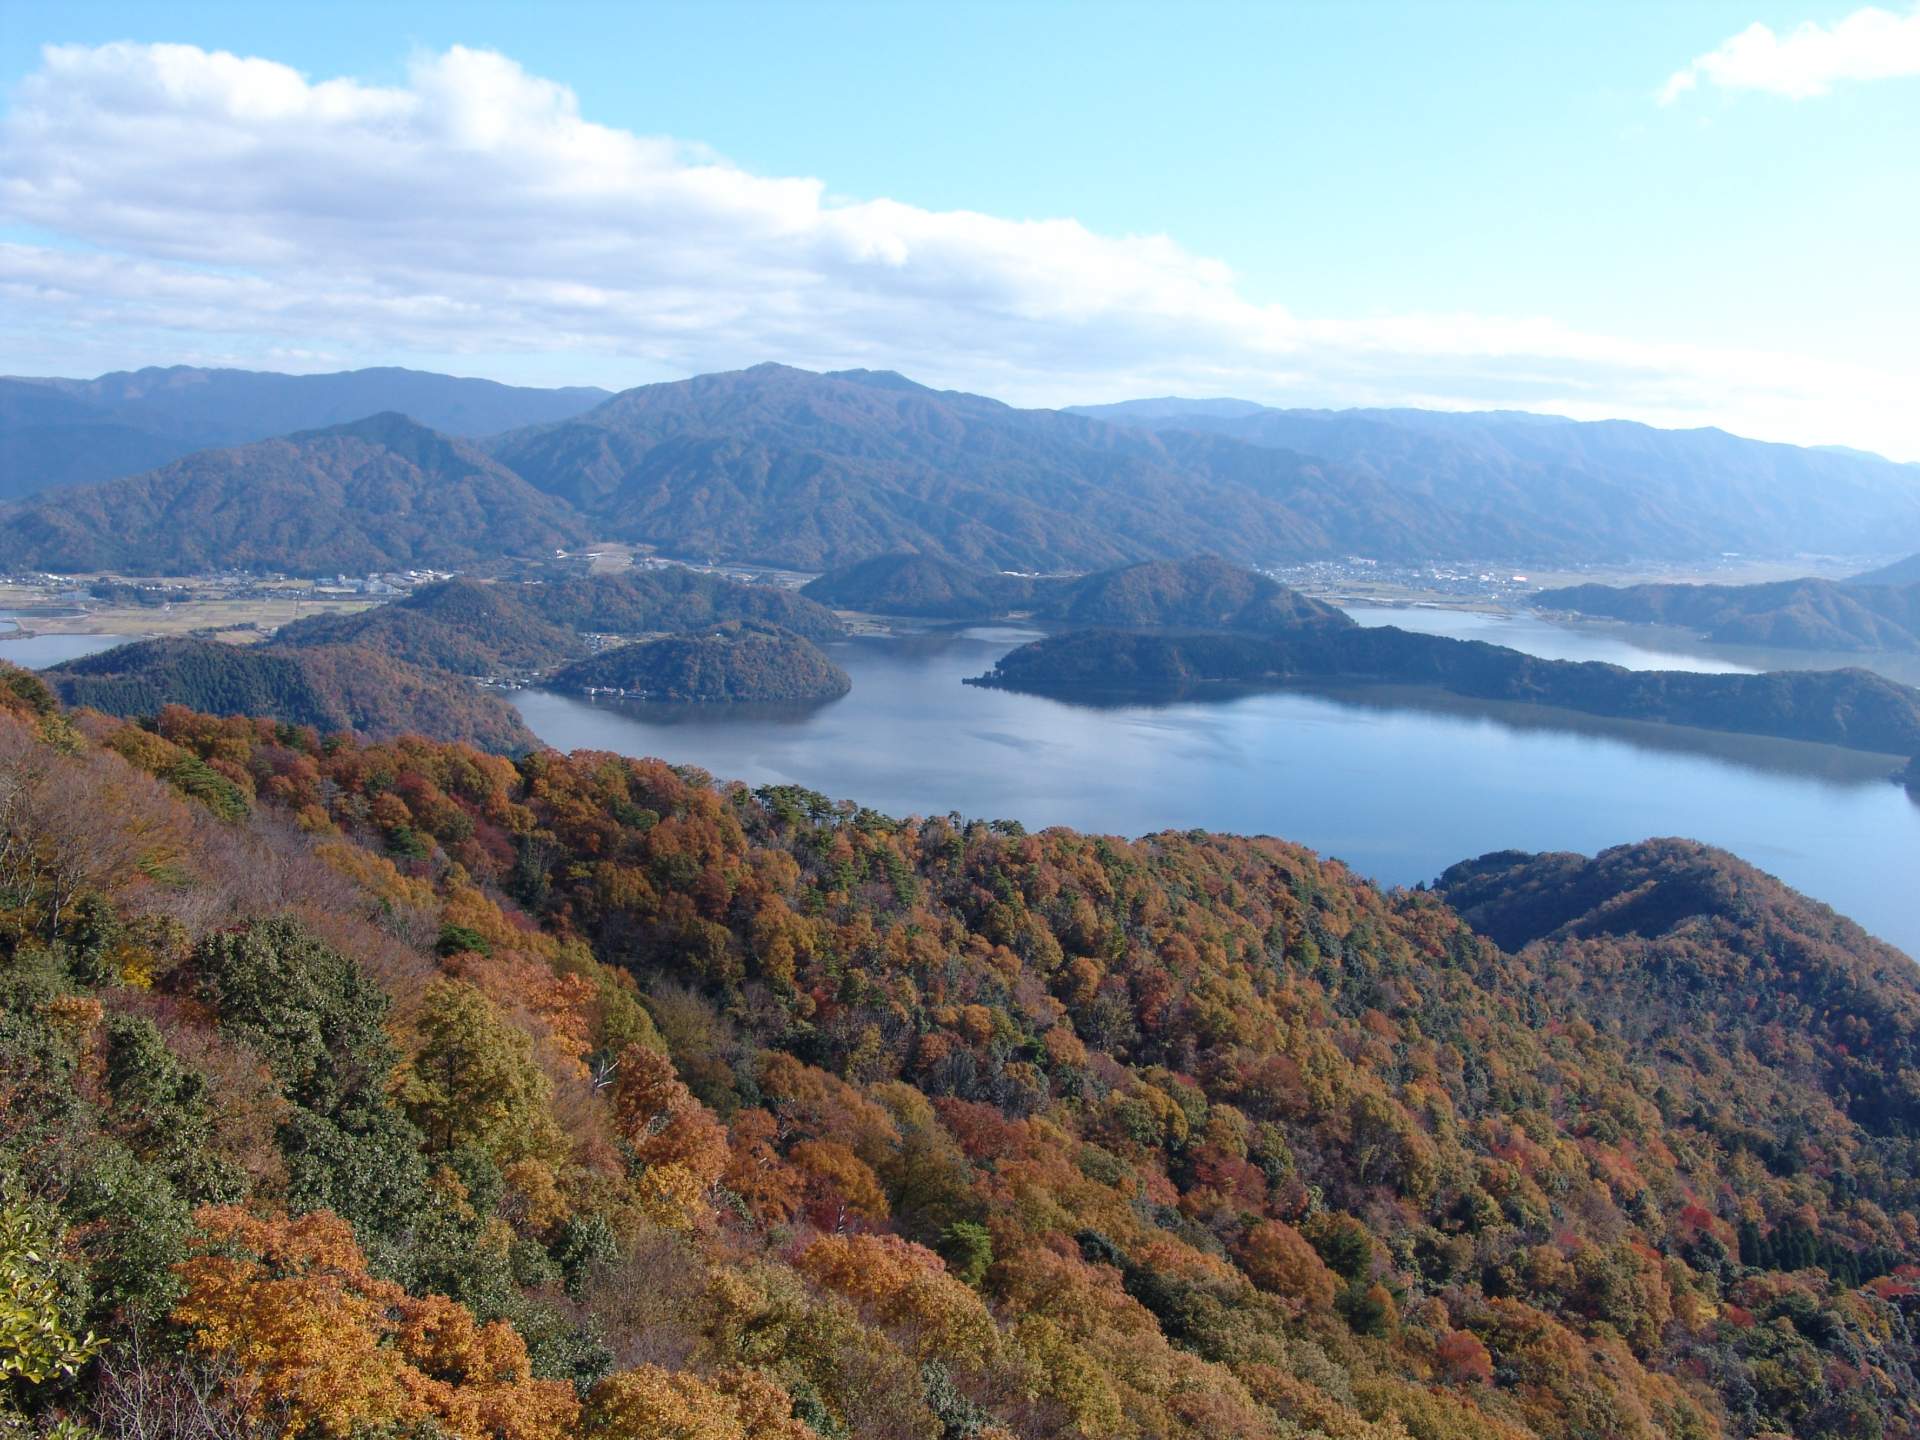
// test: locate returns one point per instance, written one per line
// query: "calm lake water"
(1400, 785)
(1638, 647)
(36, 652)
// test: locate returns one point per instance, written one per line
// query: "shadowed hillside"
(1792, 614)
(329, 687)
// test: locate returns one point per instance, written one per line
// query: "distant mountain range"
(1610, 489)
(780, 466)
(1901, 572)
(380, 493)
(1794, 614)
(72, 432)
(811, 471)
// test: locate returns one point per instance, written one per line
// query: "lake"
(1637, 647)
(1398, 784)
(36, 652)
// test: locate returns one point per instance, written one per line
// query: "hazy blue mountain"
(784, 466)
(1791, 614)
(381, 493)
(1602, 490)
(1900, 572)
(70, 432)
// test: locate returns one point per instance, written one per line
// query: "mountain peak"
(880, 380)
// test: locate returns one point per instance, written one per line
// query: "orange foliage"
(316, 1339)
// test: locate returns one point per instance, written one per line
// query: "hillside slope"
(57, 432)
(1900, 572)
(472, 628)
(1602, 490)
(378, 494)
(587, 1097)
(814, 471)
(1792, 614)
(1197, 592)
(921, 586)
(330, 688)
(720, 664)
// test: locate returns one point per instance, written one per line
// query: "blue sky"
(1428, 203)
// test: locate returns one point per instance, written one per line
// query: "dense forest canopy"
(1196, 592)
(720, 664)
(474, 628)
(330, 688)
(396, 1088)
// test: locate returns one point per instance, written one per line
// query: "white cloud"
(171, 204)
(1869, 44)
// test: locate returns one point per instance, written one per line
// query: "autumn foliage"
(388, 1089)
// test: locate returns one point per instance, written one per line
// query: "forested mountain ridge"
(475, 628)
(378, 494)
(1197, 592)
(1621, 934)
(1796, 614)
(1854, 708)
(352, 688)
(1609, 489)
(789, 467)
(1900, 572)
(810, 471)
(580, 1096)
(907, 583)
(63, 432)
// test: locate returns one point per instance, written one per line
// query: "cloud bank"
(1869, 44)
(164, 202)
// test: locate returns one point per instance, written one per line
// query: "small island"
(734, 662)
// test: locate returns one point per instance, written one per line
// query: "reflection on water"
(1400, 784)
(1637, 647)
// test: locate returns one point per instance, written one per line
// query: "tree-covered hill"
(669, 598)
(475, 628)
(921, 586)
(1203, 592)
(378, 494)
(1795, 614)
(368, 1088)
(1853, 708)
(328, 687)
(720, 664)
(1199, 592)
(460, 625)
